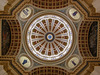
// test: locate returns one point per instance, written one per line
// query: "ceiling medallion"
(73, 61)
(25, 61)
(49, 37)
(74, 14)
(25, 13)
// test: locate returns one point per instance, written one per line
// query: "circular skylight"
(49, 37)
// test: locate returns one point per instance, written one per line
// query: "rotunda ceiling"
(49, 37)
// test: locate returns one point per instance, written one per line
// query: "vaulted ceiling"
(49, 37)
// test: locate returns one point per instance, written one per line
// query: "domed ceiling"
(49, 37)
(45, 34)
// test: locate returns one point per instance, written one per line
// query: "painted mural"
(93, 38)
(6, 36)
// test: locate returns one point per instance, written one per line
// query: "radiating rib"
(33, 33)
(60, 44)
(47, 49)
(52, 24)
(63, 28)
(63, 40)
(42, 25)
(56, 47)
(38, 44)
(47, 24)
(36, 39)
(52, 51)
(57, 26)
(38, 29)
(62, 34)
(41, 49)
